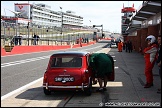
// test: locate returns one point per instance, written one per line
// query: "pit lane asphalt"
(127, 87)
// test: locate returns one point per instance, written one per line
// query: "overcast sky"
(107, 13)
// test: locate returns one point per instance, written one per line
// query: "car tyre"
(46, 91)
(88, 91)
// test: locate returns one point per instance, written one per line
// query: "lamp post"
(28, 26)
(15, 38)
(61, 24)
(28, 33)
(61, 19)
(16, 29)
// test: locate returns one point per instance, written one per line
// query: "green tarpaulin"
(101, 64)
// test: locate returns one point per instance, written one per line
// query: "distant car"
(113, 45)
(68, 70)
(117, 40)
(112, 40)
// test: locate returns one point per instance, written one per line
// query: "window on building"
(150, 22)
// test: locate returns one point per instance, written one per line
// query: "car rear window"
(71, 62)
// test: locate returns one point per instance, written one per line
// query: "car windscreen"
(113, 43)
(71, 62)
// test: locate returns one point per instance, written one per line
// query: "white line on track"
(33, 59)
(21, 88)
(23, 61)
(92, 48)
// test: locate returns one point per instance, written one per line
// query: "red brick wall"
(153, 30)
(138, 44)
(139, 40)
(159, 28)
(125, 38)
(133, 39)
(144, 34)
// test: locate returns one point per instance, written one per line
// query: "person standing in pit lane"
(120, 46)
(159, 60)
(150, 53)
(102, 65)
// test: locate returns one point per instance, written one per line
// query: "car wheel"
(46, 91)
(88, 91)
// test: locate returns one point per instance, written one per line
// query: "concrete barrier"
(27, 49)
(83, 44)
(38, 48)
(3, 52)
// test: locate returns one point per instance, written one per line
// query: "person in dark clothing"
(123, 45)
(129, 46)
(34, 38)
(15, 39)
(37, 38)
(19, 39)
(126, 46)
(103, 35)
(159, 60)
(87, 41)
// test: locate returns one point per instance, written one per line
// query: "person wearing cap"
(150, 53)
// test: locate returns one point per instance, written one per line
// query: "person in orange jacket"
(150, 53)
(120, 46)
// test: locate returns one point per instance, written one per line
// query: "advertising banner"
(24, 9)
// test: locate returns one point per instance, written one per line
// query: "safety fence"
(21, 34)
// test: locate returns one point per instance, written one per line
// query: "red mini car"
(68, 70)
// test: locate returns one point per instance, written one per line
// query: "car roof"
(113, 43)
(78, 53)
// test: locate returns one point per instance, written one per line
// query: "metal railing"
(47, 35)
